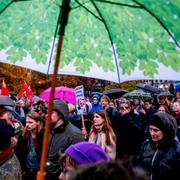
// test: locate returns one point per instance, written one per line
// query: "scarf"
(4, 154)
(99, 127)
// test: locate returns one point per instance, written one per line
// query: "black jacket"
(21, 150)
(162, 159)
(129, 134)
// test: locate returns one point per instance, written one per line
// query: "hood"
(61, 107)
(168, 123)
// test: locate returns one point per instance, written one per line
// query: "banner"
(80, 100)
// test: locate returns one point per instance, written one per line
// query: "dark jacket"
(21, 150)
(113, 115)
(59, 140)
(129, 134)
(147, 116)
(162, 159)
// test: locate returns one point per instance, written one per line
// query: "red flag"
(4, 89)
(30, 95)
(26, 91)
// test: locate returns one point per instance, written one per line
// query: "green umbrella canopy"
(113, 40)
(138, 94)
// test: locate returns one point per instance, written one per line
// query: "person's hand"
(84, 132)
(142, 111)
(14, 141)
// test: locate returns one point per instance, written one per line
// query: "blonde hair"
(71, 108)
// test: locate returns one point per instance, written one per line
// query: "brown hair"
(165, 107)
(35, 116)
(106, 98)
(107, 127)
(66, 160)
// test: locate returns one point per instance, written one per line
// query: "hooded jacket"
(60, 139)
(162, 159)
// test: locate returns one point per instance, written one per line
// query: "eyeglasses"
(124, 107)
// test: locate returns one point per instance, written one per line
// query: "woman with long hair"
(29, 147)
(102, 134)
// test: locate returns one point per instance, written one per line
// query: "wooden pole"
(42, 173)
(84, 131)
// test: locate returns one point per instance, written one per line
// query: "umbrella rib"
(7, 6)
(106, 27)
(81, 5)
(53, 44)
(75, 7)
(159, 21)
(116, 3)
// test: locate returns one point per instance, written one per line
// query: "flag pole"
(65, 8)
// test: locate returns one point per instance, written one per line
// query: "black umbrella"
(138, 94)
(115, 93)
(6, 101)
(166, 93)
(149, 88)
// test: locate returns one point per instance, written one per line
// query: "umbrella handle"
(41, 173)
(63, 21)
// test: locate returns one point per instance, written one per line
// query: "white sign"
(80, 100)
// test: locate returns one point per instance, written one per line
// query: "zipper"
(154, 156)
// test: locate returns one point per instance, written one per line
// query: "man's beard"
(53, 125)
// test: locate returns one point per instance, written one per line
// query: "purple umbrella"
(63, 93)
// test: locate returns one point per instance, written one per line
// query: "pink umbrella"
(63, 93)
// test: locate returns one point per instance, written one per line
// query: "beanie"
(156, 121)
(86, 153)
(61, 107)
(95, 96)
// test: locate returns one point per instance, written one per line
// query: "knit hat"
(96, 96)
(86, 153)
(156, 121)
(61, 107)
(6, 132)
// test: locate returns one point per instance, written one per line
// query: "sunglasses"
(161, 98)
(124, 107)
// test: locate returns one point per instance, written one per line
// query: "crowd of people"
(122, 139)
